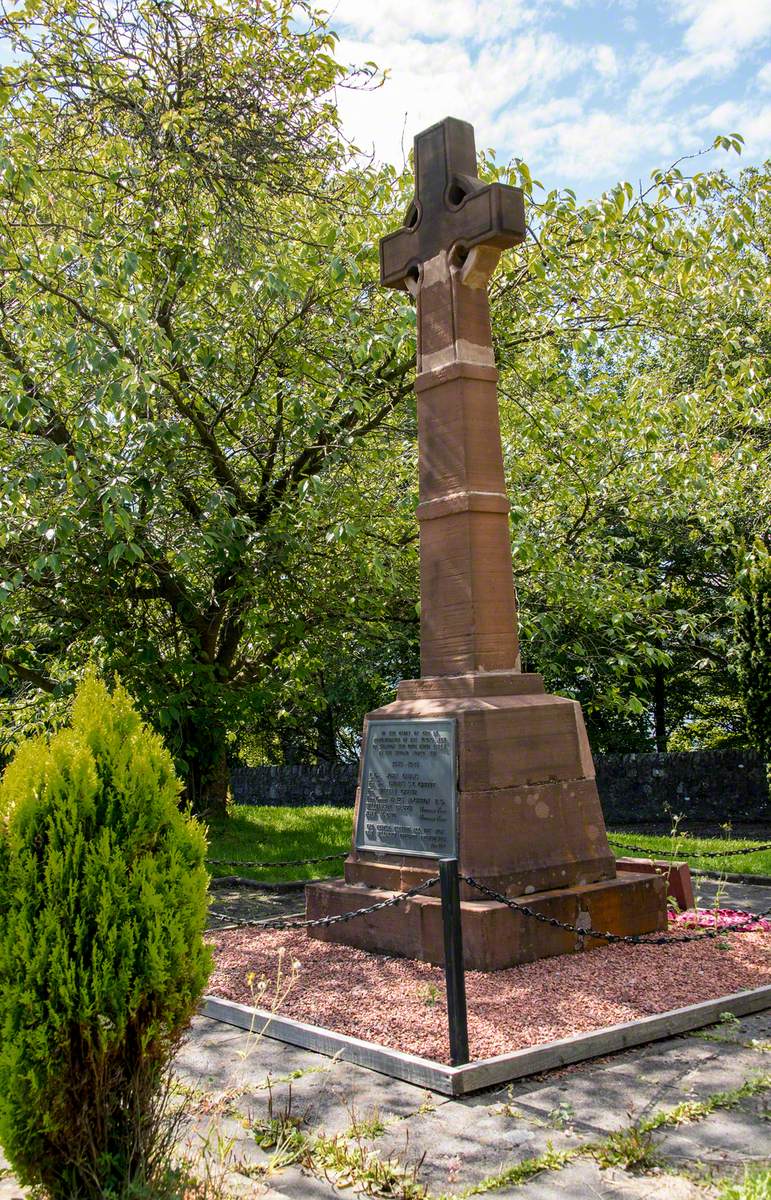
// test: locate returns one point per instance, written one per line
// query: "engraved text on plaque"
(408, 788)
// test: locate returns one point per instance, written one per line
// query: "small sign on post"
(409, 789)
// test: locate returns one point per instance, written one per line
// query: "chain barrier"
(287, 862)
(283, 923)
(646, 850)
(526, 910)
(630, 939)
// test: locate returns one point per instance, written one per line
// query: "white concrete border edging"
(486, 1072)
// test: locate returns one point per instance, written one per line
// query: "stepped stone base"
(530, 826)
(494, 937)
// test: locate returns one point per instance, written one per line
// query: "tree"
(210, 425)
(633, 337)
(184, 369)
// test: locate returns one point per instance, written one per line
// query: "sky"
(587, 92)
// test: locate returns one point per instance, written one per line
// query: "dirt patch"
(400, 1003)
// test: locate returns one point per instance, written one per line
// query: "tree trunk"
(659, 709)
(207, 777)
(326, 741)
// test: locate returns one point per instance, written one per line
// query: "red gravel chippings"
(400, 1002)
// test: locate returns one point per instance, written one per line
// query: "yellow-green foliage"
(102, 907)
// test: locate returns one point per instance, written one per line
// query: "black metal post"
(453, 961)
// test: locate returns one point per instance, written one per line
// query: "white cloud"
(754, 124)
(723, 25)
(605, 61)
(717, 34)
(582, 109)
(664, 78)
(389, 20)
(584, 144)
(428, 82)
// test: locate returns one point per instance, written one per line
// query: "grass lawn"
(686, 847)
(269, 834)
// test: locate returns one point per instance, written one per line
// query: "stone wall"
(296, 786)
(704, 785)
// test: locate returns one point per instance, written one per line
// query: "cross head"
(452, 211)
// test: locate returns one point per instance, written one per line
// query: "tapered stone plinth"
(530, 826)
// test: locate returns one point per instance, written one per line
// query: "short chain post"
(453, 961)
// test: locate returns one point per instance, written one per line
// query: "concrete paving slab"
(725, 1139)
(9, 1190)
(750, 896)
(757, 1026)
(726, 1068)
(294, 1184)
(460, 1145)
(328, 1093)
(467, 1140)
(601, 1097)
(574, 1182)
(585, 1181)
(224, 1058)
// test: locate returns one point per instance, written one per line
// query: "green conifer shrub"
(754, 637)
(103, 895)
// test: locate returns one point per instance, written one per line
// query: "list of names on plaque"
(408, 790)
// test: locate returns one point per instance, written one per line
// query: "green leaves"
(733, 141)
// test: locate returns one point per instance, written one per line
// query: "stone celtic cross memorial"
(474, 757)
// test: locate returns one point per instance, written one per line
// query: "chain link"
(287, 862)
(514, 905)
(646, 850)
(629, 939)
(280, 923)
(303, 862)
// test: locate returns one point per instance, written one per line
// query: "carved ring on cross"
(452, 212)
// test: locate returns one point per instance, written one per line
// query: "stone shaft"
(468, 607)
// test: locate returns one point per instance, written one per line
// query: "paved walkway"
(288, 1124)
(347, 1124)
(245, 903)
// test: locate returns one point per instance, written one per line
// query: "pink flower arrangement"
(721, 918)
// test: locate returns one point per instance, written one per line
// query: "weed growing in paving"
(354, 1165)
(281, 1131)
(344, 1157)
(269, 998)
(756, 1185)
(632, 1148)
(562, 1116)
(521, 1172)
(363, 1127)
(697, 1110)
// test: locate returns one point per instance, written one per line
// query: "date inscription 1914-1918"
(408, 788)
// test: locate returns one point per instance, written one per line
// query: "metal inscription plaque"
(408, 788)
